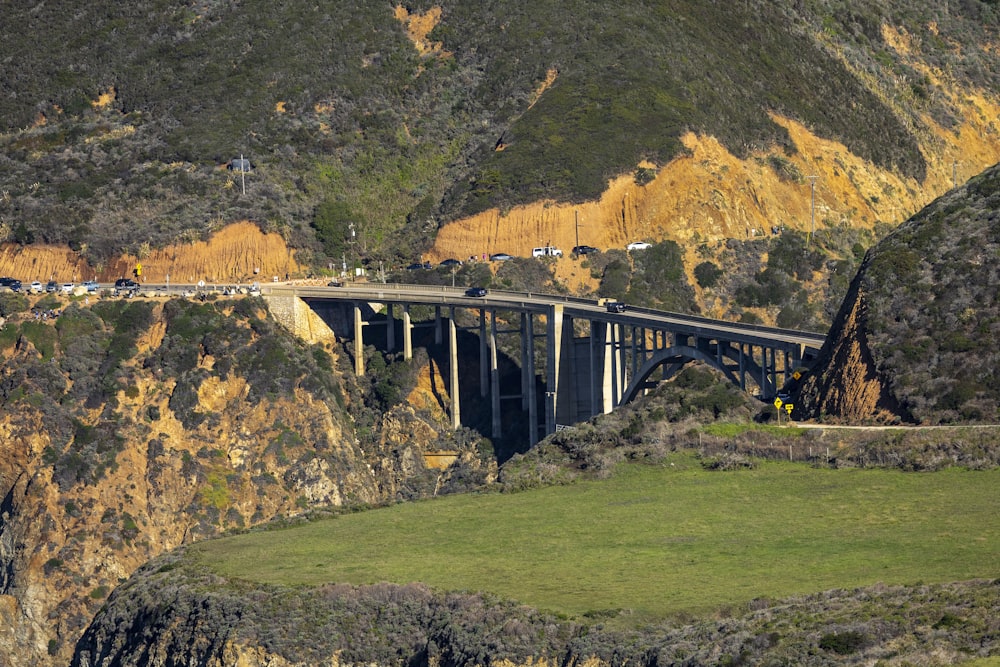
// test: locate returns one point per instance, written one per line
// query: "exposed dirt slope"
(710, 195)
(239, 252)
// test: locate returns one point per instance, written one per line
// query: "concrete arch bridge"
(577, 358)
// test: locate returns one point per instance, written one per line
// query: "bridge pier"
(390, 329)
(359, 343)
(407, 334)
(456, 413)
(496, 429)
(553, 348)
(484, 354)
(528, 375)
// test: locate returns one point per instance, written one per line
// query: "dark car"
(418, 266)
(615, 307)
(500, 257)
(475, 291)
(451, 262)
(52, 286)
(13, 283)
(125, 283)
(584, 249)
(335, 283)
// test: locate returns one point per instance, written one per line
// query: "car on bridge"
(615, 307)
(476, 291)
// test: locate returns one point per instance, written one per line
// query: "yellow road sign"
(778, 403)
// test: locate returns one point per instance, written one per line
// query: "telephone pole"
(812, 208)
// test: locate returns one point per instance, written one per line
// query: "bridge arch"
(675, 357)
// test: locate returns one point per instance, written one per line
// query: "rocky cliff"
(915, 339)
(129, 428)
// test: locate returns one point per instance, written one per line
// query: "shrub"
(843, 643)
(707, 274)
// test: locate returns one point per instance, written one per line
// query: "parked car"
(451, 262)
(500, 257)
(475, 291)
(11, 283)
(51, 286)
(335, 283)
(36, 287)
(546, 251)
(615, 307)
(91, 285)
(418, 266)
(67, 288)
(638, 245)
(584, 249)
(126, 286)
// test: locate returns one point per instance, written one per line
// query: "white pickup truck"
(546, 251)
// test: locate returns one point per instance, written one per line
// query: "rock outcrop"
(915, 338)
(131, 427)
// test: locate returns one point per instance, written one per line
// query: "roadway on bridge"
(589, 309)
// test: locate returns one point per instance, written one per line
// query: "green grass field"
(653, 541)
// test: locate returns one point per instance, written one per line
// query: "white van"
(547, 251)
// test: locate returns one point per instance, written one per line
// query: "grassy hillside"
(651, 541)
(118, 119)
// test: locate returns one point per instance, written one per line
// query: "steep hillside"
(236, 253)
(915, 340)
(130, 427)
(514, 121)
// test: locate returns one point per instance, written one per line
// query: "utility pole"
(812, 208)
(243, 172)
(576, 216)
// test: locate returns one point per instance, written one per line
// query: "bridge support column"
(456, 414)
(553, 344)
(437, 325)
(608, 395)
(743, 368)
(615, 359)
(390, 329)
(359, 343)
(592, 360)
(763, 373)
(528, 375)
(407, 334)
(484, 352)
(497, 430)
